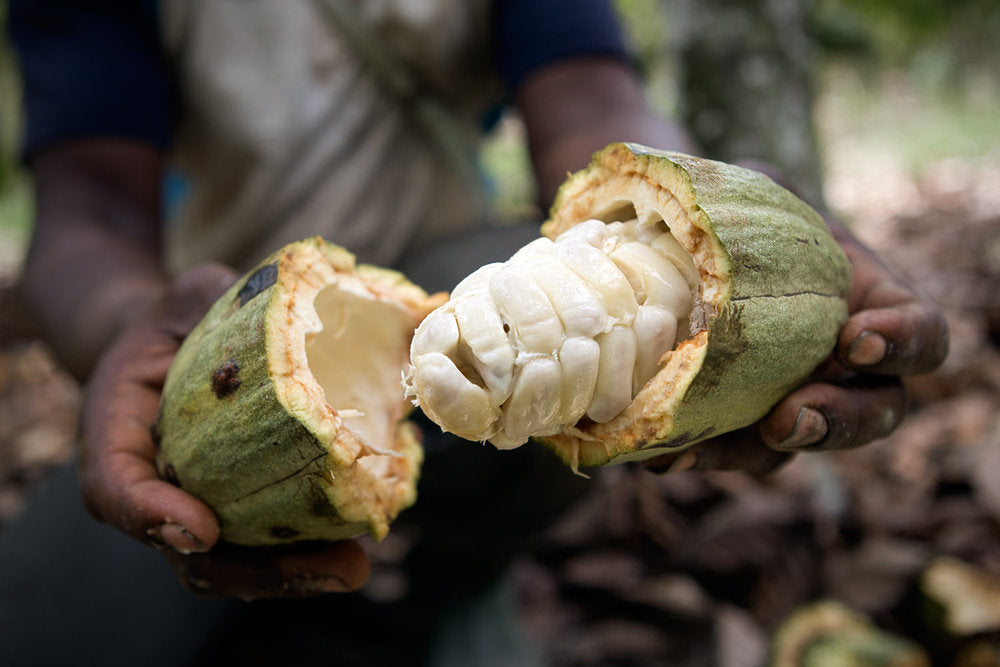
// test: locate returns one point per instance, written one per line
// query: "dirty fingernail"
(313, 584)
(868, 349)
(198, 585)
(178, 538)
(810, 428)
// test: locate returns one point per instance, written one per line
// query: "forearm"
(85, 289)
(94, 257)
(576, 107)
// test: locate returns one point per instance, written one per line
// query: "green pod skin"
(245, 428)
(772, 297)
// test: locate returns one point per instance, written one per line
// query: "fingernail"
(197, 584)
(810, 428)
(868, 349)
(313, 584)
(178, 538)
(685, 461)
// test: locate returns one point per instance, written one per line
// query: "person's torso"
(288, 129)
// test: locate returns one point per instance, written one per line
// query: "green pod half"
(771, 298)
(282, 409)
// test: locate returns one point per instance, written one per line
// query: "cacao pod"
(282, 409)
(680, 299)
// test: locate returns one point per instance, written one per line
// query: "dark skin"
(96, 279)
(857, 395)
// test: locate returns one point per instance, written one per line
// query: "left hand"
(857, 395)
(119, 480)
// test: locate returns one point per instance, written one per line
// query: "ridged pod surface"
(767, 288)
(282, 409)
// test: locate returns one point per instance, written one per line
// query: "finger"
(902, 339)
(893, 329)
(118, 475)
(823, 416)
(742, 450)
(231, 571)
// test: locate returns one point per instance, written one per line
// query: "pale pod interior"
(564, 332)
(355, 350)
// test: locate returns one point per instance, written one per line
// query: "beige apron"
(285, 132)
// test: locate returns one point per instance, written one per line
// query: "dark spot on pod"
(685, 438)
(154, 433)
(169, 473)
(226, 379)
(320, 506)
(677, 441)
(258, 281)
(283, 532)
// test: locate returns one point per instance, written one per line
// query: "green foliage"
(506, 164)
(897, 32)
(15, 195)
(887, 118)
(921, 81)
(9, 102)
(650, 26)
(646, 24)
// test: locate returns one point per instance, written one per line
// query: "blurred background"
(888, 113)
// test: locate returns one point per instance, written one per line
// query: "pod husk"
(771, 300)
(246, 424)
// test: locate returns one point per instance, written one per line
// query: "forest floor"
(703, 569)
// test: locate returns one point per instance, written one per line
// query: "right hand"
(854, 398)
(120, 482)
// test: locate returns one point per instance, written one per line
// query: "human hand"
(120, 482)
(857, 395)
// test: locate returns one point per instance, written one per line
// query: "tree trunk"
(746, 83)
